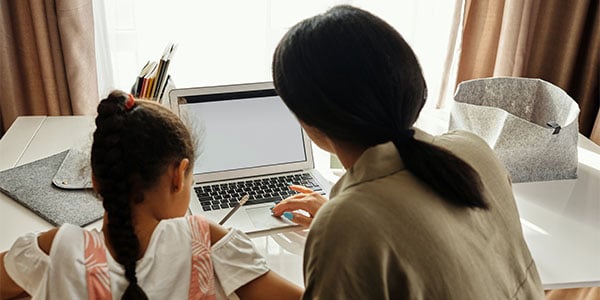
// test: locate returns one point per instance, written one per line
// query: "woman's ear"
(94, 184)
(179, 175)
(318, 137)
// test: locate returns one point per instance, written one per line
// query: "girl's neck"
(169, 197)
(143, 228)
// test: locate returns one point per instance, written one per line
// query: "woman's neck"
(347, 153)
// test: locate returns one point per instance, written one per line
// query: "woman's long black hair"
(351, 75)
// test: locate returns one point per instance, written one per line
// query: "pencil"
(237, 206)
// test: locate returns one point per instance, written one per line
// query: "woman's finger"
(298, 218)
(290, 204)
(300, 189)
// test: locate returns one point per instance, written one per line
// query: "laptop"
(248, 143)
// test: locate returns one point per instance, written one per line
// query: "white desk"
(561, 219)
(32, 138)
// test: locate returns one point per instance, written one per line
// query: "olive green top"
(387, 235)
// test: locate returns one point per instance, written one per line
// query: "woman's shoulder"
(344, 213)
(471, 148)
(460, 138)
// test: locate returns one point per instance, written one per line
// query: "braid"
(134, 143)
(112, 171)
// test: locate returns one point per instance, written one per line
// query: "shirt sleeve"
(236, 261)
(26, 264)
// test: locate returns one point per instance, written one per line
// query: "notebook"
(248, 142)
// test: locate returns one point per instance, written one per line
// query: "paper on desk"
(75, 172)
(511, 115)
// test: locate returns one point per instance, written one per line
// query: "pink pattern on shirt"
(202, 280)
(96, 267)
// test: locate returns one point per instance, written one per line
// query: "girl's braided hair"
(134, 143)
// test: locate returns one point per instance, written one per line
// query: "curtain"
(47, 60)
(449, 69)
(596, 131)
(555, 40)
(104, 64)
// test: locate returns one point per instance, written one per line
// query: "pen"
(237, 206)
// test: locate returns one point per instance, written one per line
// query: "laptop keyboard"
(272, 189)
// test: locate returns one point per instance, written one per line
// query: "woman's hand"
(306, 200)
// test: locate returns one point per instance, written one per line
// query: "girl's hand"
(306, 200)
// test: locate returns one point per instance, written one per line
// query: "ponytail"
(452, 178)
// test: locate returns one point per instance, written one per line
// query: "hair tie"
(406, 135)
(129, 103)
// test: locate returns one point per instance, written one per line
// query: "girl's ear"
(179, 175)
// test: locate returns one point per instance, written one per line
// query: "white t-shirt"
(163, 272)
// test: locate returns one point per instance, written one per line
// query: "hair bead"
(129, 102)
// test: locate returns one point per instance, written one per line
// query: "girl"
(142, 157)
(415, 216)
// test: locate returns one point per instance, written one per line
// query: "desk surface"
(561, 219)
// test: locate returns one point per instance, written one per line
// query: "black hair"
(133, 145)
(369, 89)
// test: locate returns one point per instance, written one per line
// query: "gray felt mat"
(31, 185)
(531, 124)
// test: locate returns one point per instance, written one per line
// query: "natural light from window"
(227, 42)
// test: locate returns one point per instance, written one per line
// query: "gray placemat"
(31, 185)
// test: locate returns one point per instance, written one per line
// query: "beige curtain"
(556, 40)
(47, 59)
(596, 131)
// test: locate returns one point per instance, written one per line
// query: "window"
(225, 42)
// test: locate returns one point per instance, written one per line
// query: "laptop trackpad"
(262, 218)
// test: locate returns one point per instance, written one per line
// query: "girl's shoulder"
(28, 264)
(179, 231)
(186, 225)
(69, 241)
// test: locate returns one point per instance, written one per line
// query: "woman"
(415, 216)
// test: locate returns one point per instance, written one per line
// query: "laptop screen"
(241, 130)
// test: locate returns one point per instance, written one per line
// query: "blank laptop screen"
(242, 130)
